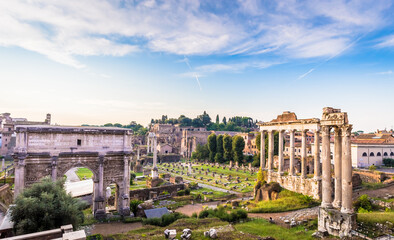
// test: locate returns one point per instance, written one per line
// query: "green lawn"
(375, 217)
(242, 187)
(84, 172)
(138, 185)
(215, 195)
(263, 228)
(287, 201)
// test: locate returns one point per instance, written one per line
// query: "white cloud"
(236, 67)
(389, 72)
(386, 41)
(62, 30)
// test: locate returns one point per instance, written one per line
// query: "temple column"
(20, 171)
(326, 168)
(347, 184)
(303, 154)
(337, 168)
(291, 169)
(125, 200)
(316, 171)
(270, 149)
(280, 153)
(262, 151)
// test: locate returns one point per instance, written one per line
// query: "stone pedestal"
(335, 222)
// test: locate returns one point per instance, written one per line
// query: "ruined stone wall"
(306, 186)
(370, 177)
(167, 158)
(150, 193)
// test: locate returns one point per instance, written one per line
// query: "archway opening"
(112, 196)
(79, 183)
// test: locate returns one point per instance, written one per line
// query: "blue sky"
(116, 61)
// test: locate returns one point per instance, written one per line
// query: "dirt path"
(114, 228)
(298, 215)
(381, 192)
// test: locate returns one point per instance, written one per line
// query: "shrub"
(181, 193)
(95, 237)
(134, 205)
(187, 191)
(165, 220)
(372, 168)
(363, 203)
(223, 215)
(165, 193)
(132, 177)
(194, 215)
(388, 162)
(193, 185)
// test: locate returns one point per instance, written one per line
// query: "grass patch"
(84, 172)
(287, 201)
(375, 217)
(215, 195)
(372, 186)
(263, 228)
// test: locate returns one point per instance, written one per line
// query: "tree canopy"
(44, 206)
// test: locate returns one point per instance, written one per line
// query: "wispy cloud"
(195, 74)
(64, 30)
(387, 41)
(236, 67)
(389, 72)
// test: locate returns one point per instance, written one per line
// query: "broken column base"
(336, 223)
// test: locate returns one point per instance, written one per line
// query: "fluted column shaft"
(270, 149)
(316, 164)
(291, 168)
(280, 152)
(303, 154)
(347, 184)
(326, 168)
(262, 150)
(337, 168)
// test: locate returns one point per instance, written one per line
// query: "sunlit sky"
(94, 62)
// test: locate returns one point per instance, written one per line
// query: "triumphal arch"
(336, 215)
(51, 151)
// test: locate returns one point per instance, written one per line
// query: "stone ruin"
(336, 217)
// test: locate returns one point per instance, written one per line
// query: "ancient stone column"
(147, 145)
(326, 168)
(3, 164)
(20, 169)
(337, 168)
(303, 154)
(138, 153)
(347, 184)
(280, 153)
(125, 200)
(291, 168)
(262, 151)
(270, 149)
(316, 164)
(154, 169)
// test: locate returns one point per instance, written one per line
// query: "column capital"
(303, 132)
(347, 130)
(325, 130)
(292, 130)
(337, 131)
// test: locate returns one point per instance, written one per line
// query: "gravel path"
(72, 176)
(298, 215)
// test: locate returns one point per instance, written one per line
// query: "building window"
(391, 154)
(79, 142)
(379, 154)
(372, 154)
(385, 154)
(365, 154)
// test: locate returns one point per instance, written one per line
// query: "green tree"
(132, 177)
(238, 147)
(197, 122)
(44, 206)
(227, 147)
(217, 119)
(201, 152)
(219, 149)
(205, 118)
(224, 120)
(184, 121)
(212, 147)
(134, 205)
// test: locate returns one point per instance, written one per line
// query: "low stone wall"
(6, 196)
(370, 177)
(155, 192)
(307, 186)
(168, 158)
(64, 232)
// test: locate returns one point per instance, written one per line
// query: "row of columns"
(270, 159)
(342, 169)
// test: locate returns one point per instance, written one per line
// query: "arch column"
(270, 149)
(337, 168)
(291, 168)
(262, 150)
(303, 154)
(124, 202)
(316, 171)
(20, 171)
(326, 168)
(99, 199)
(347, 184)
(280, 153)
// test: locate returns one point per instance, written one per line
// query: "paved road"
(79, 188)
(72, 176)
